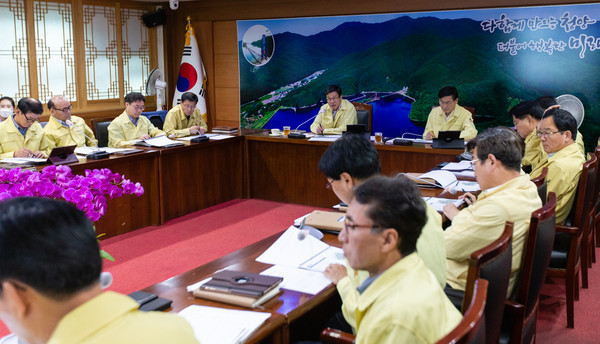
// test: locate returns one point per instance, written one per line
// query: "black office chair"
(364, 115)
(157, 121)
(102, 133)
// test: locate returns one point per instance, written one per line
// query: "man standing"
(334, 116)
(49, 282)
(63, 129)
(449, 116)
(506, 196)
(400, 301)
(130, 125)
(22, 136)
(185, 119)
(557, 131)
(526, 117)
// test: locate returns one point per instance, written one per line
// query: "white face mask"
(4, 112)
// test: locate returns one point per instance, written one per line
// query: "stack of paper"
(220, 325)
(439, 203)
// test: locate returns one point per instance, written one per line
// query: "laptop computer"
(449, 140)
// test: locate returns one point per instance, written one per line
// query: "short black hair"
(394, 203)
(546, 101)
(27, 105)
(502, 142)
(353, 154)
(12, 101)
(525, 108)
(333, 88)
(49, 245)
(134, 97)
(448, 91)
(563, 120)
(189, 96)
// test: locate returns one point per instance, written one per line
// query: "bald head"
(60, 107)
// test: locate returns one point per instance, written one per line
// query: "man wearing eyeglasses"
(400, 301)
(22, 136)
(334, 116)
(449, 116)
(64, 129)
(130, 125)
(185, 119)
(557, 131)
(506, 196)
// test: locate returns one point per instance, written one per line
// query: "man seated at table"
(49, 282)
(400, 301)
(22, 136)
(63, 129)
(130, 125)
(449, 116)
(7, 108)
(506, 196)
(349, 162)
(334, 116)
(185, 119)
(557, 132)
(526, 117)
(549, 102)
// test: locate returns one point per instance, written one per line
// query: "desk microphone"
(297, 135)
(417, 135)
(98, 154)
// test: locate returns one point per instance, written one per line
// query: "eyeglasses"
(472, 162)
(350, 225)
(138, 108)
(65, 109)
(332, 99)
(548, 133)
(29, 120)
(328, 185)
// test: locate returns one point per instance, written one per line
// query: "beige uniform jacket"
(178, 124)
(344, 116)
(478, 225)
(460, 119)
(58, 135)
(11, 139)
(122, 131)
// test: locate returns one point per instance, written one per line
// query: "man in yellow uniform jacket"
(50, 268)
(130, 125)
(334, 116)
(549, 102)
(565, 160)
(185, 119)
(400, 301)
(526, 117)
(22, 136)
(63, 129)
(449, 116)
(506, 196)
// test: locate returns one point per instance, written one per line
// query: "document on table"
(22, 161)
(439, 203)
(304, 281)
(189, 138)
(466, 186)
(289, 250)
(160, 142)
(458, 166)
(221, 137)
(436, 178)
(325, 138)
(221, 325)
(109, 150)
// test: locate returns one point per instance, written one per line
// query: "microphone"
(297, 135)
(98, 154)
(417, 135)
(308, 230)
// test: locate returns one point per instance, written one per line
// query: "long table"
(289, 309)
(286, 170)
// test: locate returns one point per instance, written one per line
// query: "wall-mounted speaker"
(155, 18)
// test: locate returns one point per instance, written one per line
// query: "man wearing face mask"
(7, 108)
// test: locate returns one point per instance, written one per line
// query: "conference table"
(293, 314)
(286, 170)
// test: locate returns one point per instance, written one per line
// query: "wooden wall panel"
(224, 13)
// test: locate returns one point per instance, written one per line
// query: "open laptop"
(449, 140)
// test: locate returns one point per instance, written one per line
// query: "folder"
(329, 220)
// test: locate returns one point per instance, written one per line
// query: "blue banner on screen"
(398, 62)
